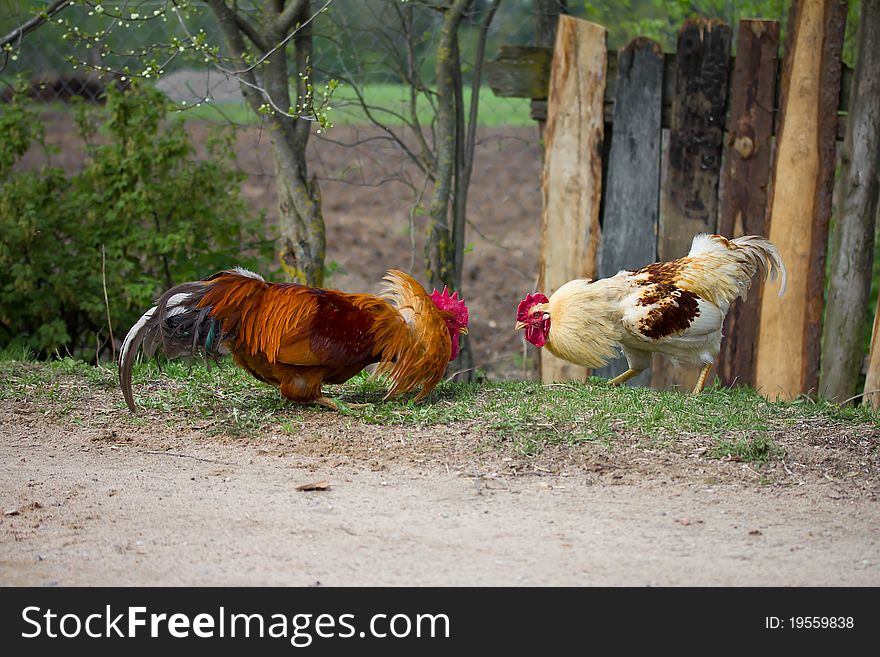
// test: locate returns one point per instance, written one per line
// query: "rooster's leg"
(335, 405)
(326, 402)
(353, 405)
(702, 380)
(623, 378)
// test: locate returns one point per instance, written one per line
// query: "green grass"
(751, 450)
(389, 102)
(224, 399)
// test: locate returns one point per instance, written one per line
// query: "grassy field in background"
(389, 102)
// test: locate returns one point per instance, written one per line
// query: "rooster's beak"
(463, 330)
(519, 325)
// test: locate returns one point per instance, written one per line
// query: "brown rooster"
(672, 308)
(296, 337)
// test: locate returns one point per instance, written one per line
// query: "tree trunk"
(301, 244)
(843, 347)
(465, 141)
(302, 240)
(439, 247)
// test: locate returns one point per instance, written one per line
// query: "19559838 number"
(820, 622)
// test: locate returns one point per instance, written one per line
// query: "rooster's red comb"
(526, 304)
(451, 302)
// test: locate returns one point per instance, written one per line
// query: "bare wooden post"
(572, 178)
(746, 176)
(629, 225)
(689, 200)
(800, 200)
(849, 283)
(872, 379)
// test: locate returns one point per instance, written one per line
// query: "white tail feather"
(767, 257)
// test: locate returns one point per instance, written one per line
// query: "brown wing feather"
(261, 315)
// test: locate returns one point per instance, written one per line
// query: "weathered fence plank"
(629, 224)
(864, 128)
(504, 80)
(689, 199)
(852, 244)
(800, 198)
(572, 178)
(520, 72)
(746, 176)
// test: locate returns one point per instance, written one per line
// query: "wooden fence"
(644, 150)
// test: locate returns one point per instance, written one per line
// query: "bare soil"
(90, 499)
(93, 500)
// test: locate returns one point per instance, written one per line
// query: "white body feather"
(589, 320)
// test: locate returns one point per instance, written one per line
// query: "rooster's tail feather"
(177, 327)
(419, 354)
(766, 257)
(720, 270)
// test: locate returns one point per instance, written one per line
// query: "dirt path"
(84, 511)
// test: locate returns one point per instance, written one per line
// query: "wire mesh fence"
(362, 43)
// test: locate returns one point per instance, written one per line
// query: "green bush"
(142, 215)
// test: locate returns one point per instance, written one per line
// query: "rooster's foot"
(623, 378)
(702, 380)
(337, 405)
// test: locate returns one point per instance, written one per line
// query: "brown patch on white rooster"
(674, 311)
(662, 273)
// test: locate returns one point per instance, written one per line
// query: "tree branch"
(288, 17)
(413, 77)
(459, 195)
(368, 111)
(250, 31)
(29, 26)
(475, 90)
(438, 246)
(465, 141)
(233, 36)
(303, 54)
